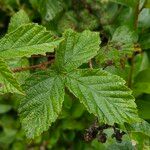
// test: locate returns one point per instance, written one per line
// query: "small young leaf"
(43, 102)
(26, 40)
(104, 95)
(77, 49)
(8, 82)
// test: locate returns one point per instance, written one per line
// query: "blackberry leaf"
(104, 95)
(26, 40)
(43, 102)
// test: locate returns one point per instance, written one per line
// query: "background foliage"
(124, 27)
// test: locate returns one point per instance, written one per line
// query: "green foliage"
(17, 20)
(104, 95)
(87, 85)
(76, 49)
(43, 103)
(48, 8)
(142, 127)
(4, 108)
(118, 48)
(61, 67)
(29, 39)
(126, 2)
(8, 83)
(142, 81)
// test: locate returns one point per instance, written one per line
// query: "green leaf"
(143, 106)
(43, 102)
(131, 3)
(124, 145)
(104, 95)
(119, 47)
(87, 20)
(124, 35)
(19, 63)
(142, 82)
(17, 20)
(47, 8)
(144, 19)
(4, 108)
(76, 49)
(68, 20)
(27, 40)
(8, 83)
(140, 127)
(145, 41)
(147, 4)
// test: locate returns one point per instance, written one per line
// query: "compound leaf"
(26, 40)
(43, 102)
(104, 95)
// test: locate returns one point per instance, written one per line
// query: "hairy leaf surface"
(104, 95)
(76, 49)
(27, 40)
(43, 102)
(8, 82)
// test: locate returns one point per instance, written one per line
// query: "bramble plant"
(71, 55)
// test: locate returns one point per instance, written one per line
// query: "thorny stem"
(39, 66)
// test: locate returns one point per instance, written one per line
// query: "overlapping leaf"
(43, 102)
(26, 40)
(17, 20)
(76, 49)
(8, 83)
(104, 95)
(45, 91)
